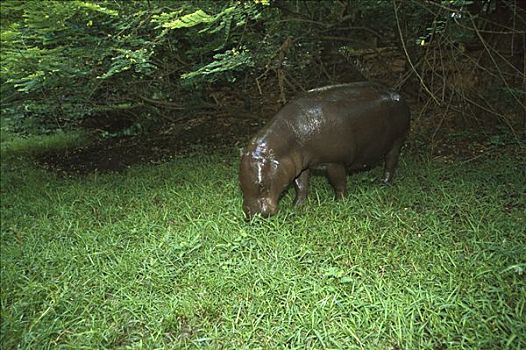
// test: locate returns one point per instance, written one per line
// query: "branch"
(321, 24)
(409, 58)
(378, 35)
(450, 9)
(170, 105)
(497, 66)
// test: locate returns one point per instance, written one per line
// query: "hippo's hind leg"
(301, 184)
(338, 179)
(391, 160)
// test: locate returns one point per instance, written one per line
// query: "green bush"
(70, 60)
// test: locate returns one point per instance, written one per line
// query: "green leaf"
(229, 61)
(346, 279)
(187, 21)
(138, 59)
(95, 7)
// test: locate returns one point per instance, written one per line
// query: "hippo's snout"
(263, 207)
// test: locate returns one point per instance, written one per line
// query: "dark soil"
(203, 133)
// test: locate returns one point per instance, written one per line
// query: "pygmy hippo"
(336, 128)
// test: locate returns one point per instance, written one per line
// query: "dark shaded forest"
(122, 69)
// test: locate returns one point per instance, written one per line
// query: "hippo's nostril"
(267, 210)
(264, 214)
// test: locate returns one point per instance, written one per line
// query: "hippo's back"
(346, 123)
(352, 95)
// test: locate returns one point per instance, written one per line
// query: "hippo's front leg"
(338, 178)
(301, 184)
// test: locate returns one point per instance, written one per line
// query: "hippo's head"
(262, 180)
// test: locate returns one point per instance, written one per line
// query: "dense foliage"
(65, 61)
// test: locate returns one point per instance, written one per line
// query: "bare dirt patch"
(203, 133)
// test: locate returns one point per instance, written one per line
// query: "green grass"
(160, 257)
(16, 145)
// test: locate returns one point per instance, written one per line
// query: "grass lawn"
(159, 257)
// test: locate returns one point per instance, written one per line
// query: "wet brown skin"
(338, 128)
